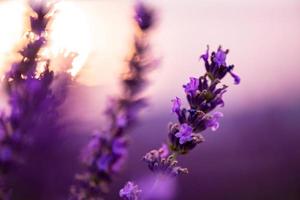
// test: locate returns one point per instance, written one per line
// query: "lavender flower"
(28, 92)
(184, 134)
(161, 162)
(212, 121)
(191, 87)
(144, 16)
(183, 144)
(220, 57)
(218, 68)
(33, 102)
(203, 96)
(130, 191)
(40, 20)
(107, 151)
(176, 105)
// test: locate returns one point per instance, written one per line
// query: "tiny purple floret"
(130, 191)
(206, 55)
(184, 134)
(220, 57)
(235, 77)
(144, 16)
(191, 87)
(213, 122)
(119, 146)
(176, 105)
(103, 163)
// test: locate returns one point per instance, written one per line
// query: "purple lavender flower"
(196, 118)
(40, 21)
(191, 87)
(184, 134)
(217, 67)
(30, 96)
(34, 104)
(130, 191)
(119, 146)
(103, 162)
(109, 154)
(144, 16)
(212, 121)
(158, 162)
(186, 146)
(220, 57)
(236, 78)
(91, 149)
(176, 105)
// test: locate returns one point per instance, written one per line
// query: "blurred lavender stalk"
(33, 101)
(107, 150)
(203, 96)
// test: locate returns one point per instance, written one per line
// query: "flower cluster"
(162, 161)
(203, 95)
(104, 155)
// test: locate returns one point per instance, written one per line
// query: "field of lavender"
(149, 100)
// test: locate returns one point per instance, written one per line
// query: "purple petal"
(130, 191)
(236, 78)
(184, 134)
(191, 87)
(176, 104)
(206, 55)
(220, 57)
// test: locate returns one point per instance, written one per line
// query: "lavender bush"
(107, 150)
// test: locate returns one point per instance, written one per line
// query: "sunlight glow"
(70, 31)
(11, 23)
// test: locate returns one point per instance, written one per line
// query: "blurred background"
(254, 154)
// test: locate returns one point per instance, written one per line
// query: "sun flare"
(70, 31)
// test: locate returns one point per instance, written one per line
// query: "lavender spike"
(203, 96)
(30, 94)
(104, 155)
